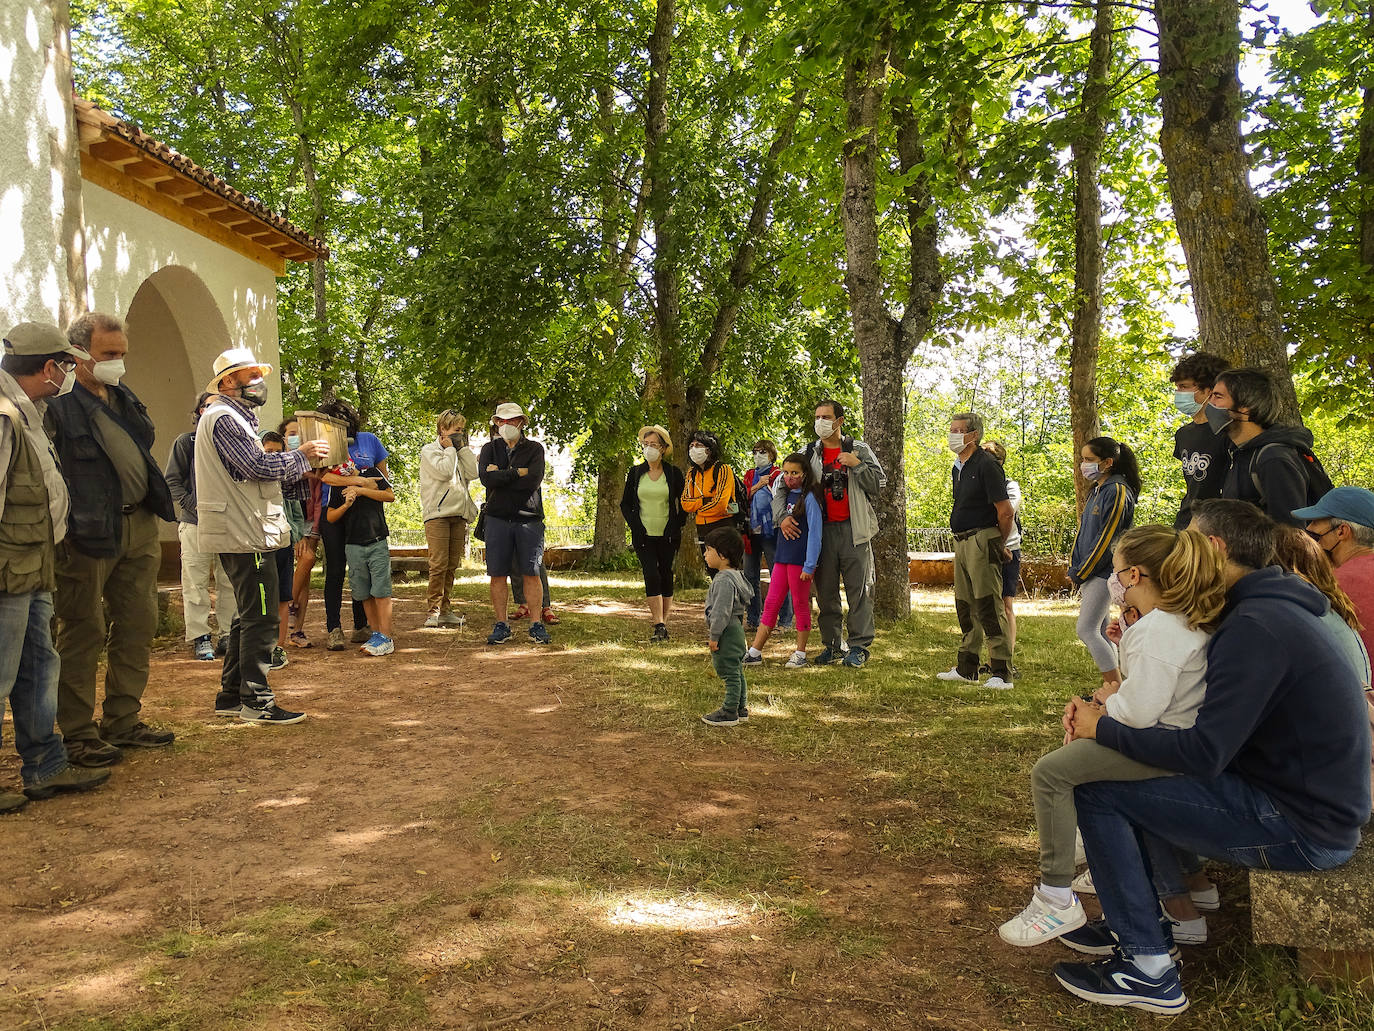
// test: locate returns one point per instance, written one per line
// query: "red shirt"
(1356, 578)
(835, 511)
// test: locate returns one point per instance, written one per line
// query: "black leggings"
(335, 573)
(656, 556)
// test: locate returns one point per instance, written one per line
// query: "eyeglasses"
(1318, 536)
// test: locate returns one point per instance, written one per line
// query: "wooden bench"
(1327, 916)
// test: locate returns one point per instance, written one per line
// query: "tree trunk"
(1364, 176)
(1086, 328)
(324, 343)
(1220, 224)
(608, 538)
(66, 162)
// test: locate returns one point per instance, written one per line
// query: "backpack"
(1318, 482)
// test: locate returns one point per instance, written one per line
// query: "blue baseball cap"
(1353, 504)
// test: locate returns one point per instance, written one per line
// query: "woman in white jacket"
(447, 466)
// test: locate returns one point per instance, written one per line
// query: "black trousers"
(335, 573)
(248, 650)
(656, 555)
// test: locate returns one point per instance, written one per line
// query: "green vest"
(27, 552)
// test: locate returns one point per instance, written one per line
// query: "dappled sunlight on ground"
(283, 803)
(686, 913)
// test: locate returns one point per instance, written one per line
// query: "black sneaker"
(500, 634)
(69, 778)
(827, 656)
(538, 634)
(1097, 939)
(269, 715)
(1116, 981)
(279, 659)
(722, 717)
(140, 735)
(742, 714)
(92, 753)
(660, 633)
(227, 704)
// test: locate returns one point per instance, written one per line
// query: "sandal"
(549, 617)
(299, 640)
(523, 612)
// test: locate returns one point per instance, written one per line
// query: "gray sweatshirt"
(726, 600)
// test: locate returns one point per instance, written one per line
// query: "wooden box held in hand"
(318, 426)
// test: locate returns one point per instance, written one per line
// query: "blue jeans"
(1224, 818)
(763, 547)
(28, 678)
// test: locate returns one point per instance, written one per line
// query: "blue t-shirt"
(366, 451)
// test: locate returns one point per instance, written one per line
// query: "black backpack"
(1318, 482)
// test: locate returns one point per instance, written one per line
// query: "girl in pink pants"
(799, 516)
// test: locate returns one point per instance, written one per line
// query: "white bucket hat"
(233, 360)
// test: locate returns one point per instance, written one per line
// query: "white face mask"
(956, 441)
(761, 460)
(697, 454)
(1089, 470)
(651, 453)
(510, 434)
(109, 373)
(68, 381)
(824, 427)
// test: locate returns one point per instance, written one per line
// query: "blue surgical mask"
(293, 442)
(1186, 403)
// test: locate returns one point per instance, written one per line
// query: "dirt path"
(510, 845)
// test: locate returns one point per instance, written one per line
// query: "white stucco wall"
(33, 261)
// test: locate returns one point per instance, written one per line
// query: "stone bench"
(1327, 916)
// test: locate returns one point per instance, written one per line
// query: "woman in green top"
(652, 506)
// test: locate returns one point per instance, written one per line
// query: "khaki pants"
(978, 603)
(196, 566)
(447, 540)
(86, 586)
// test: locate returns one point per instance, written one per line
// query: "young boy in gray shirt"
(726, 602)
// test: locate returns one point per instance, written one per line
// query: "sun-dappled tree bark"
(1086, 330)
(1220, 224)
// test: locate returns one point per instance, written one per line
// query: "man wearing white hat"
(104, 439)
(242, 517)
(38, 363)
(511, 467)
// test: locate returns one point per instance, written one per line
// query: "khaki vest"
(27, 552)
(233, 516)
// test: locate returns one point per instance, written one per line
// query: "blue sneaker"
(827, 656)
(373, 641)
(538, 633)
(203, 649)
(1097, 939)
(379, 644)
(500, 634)
(1116, 981)
(856, 657)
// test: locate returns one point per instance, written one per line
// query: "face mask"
(793, 480)
(651, 454)
(254, 393)
(1218, 418)
(824, 427)
(697, 454)
(1116, 589)
(1186, 403)
(293, 442)
(68, 381)
(956, 442)
(1090, 470)
(109, 373)
(510, 434)
(761, 460)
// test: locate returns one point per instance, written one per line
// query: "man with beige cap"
(104, 438)
(242, 518)
(38, 363)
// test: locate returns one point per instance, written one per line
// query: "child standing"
(368, 552)
(726, 602)
(794, 560)
(1174, 579)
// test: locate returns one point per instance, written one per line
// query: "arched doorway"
(175, 331)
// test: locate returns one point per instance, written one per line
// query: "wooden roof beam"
(179, 187)
(206, 203)
(116, 152)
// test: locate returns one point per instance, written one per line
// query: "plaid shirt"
(244, 457)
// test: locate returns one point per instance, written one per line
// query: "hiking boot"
(539, 635)
(827, 656)
(279, 659)
(1042, 921)
(379, 644)
(432, 620)
(140, 735)
(548, 617)
(69, 778)
(361, 634)
(92, 753)
(1116, 981)
(269, 715)
(722, 717)
(336, 640)
(202, 649)
(795, 661)
(660, 632)
(954, 674)
(452, 619)
(856, 657)
(500, 633)
(10, 801)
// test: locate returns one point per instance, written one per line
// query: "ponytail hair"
(1298, 553)
(1122, 459)
(1188, 570)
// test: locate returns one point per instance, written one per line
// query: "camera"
(836, 482)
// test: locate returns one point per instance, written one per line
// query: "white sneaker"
(1208, 899)
(1083, 884)
(796, 661)
(379, 644)
(1080, 854)
(1189, 932)
(954, 674)
(432, 620)
(997, 684)
(1042, 921)
(452, 619)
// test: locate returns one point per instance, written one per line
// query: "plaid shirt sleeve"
(245, 459)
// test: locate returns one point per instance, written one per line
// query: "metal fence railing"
(1040, 541)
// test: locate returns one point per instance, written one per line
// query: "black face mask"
(1218, 418)
(254, 393)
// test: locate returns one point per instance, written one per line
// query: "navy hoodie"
(1283, 711)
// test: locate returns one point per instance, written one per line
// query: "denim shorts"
(1011, 575)
(369, 569)
(509, 541)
